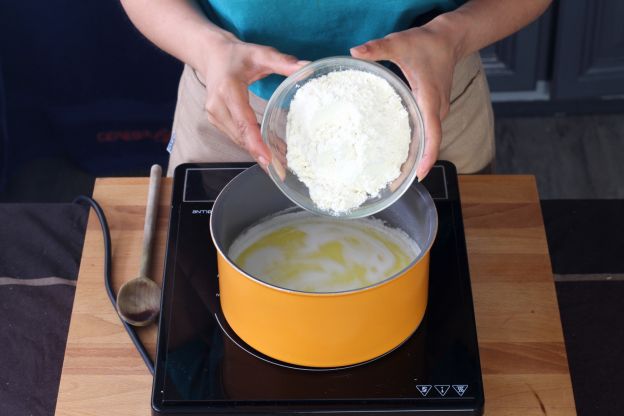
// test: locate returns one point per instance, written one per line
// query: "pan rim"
(423, 253)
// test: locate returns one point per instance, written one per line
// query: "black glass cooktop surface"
(202, 367)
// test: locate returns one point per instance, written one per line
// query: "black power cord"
(85, 200)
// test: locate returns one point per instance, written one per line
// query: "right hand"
(229, 70)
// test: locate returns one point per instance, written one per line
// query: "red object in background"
(160, 135)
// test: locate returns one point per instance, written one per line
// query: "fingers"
(232, 114)
(219, 115)
(227, 105)
(429, 106)
(375, 50)
(279, 157)
(425, 72)
(271, 61)
(246, 126)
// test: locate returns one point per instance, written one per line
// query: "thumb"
(374, 50)
(274, 62)
(433, 138)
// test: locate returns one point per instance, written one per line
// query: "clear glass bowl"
(274, 135)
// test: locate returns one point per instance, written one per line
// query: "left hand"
(427, 58)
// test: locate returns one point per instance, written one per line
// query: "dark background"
(80, 83)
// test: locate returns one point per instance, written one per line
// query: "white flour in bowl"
(347, 136)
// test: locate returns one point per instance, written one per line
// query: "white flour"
(347, 136)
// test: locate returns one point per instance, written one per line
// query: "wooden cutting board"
(523, 356)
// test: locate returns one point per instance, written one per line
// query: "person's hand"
(229, 69)
(427, 59)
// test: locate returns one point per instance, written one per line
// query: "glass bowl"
(274, 135)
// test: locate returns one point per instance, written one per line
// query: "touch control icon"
(460, 388)
(442, 389)
(424, 389)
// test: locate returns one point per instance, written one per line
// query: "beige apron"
(467, 131)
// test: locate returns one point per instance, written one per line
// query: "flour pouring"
(347, 135)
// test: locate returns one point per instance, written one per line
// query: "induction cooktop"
(203, 368)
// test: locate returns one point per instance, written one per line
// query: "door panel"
(589, 52)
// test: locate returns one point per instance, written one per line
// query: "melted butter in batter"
(304, 252)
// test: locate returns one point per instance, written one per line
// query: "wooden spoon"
(138, 300)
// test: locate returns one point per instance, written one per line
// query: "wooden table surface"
(523, 356)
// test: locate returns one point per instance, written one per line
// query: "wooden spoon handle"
(151, 213)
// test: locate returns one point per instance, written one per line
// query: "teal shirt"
(314, 29)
